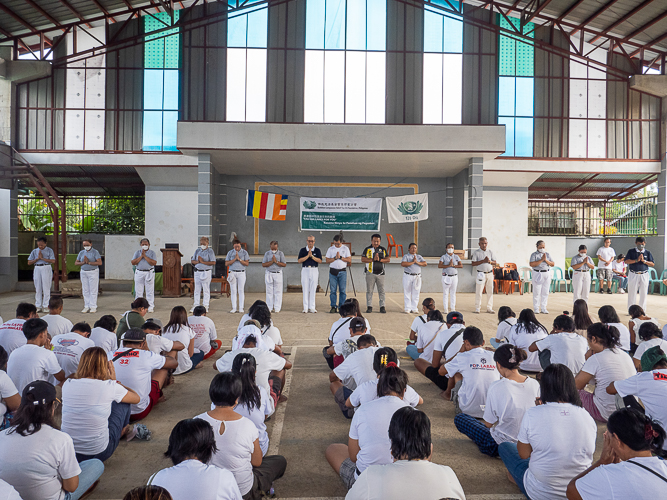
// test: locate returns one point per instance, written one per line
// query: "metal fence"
(89, 214)
(629, 217)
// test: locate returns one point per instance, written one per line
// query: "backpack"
(498, 274)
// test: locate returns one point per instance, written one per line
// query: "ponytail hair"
(637, 431)
(382, 357)
(392, 379)
(606, 335)
(245, 366)
(509, 356)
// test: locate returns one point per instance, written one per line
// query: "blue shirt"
(143, 264)
(638, 267)
(413, 268)
(92, 255)
(47, 253)
(309, 262)
(237, 266)
(208, 255)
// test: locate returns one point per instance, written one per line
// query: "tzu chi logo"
(309, 204)
(411, 207)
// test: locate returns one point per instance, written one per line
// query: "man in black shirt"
(309, 257)
(375, 257)
(639, 260)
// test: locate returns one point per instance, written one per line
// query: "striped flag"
(266, 205)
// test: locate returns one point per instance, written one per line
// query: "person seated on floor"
(470, 373)
(651, 336)
(506, 402)
(206, 337)
(506, 320)
(526, 331)
(248, 315)
(34, 360)
(556, 439)
(58, 324)
(339, 332)
(605, 363)
(157, 343)
(133, 318)
(627, 467)
(141, 370)
(96, 408)
(150, 492)
(445, 346)
(191, 448)
(237, 441)
(103, 334)
(368, 442)
(262, 315)
(563, 345)
(412, 474)
(11, 332)
(637, 319)
(177, 330)
(368, 390)
(252, 328)
(68, 347)
(340, 351)
(608, 316)
(582, 318)
(428, 304)
(357, 312)
(36, 458)
(10, 399)
(354, 371)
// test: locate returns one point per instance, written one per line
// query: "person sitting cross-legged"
(563, 345)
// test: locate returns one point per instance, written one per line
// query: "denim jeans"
(622, 282)
(91, 471)
(412, 351)
(196, 358)
(338, 284)
(516, 465)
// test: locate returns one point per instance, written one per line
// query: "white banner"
(335, 214)
(411, 208)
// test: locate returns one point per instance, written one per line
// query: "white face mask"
(144, 247)
(542, 250)
(582, 254)
(203, 247)
(450, 251)
(87, 248)
(274, 251)
(640, 247)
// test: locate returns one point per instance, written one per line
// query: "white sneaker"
(545, 312)
(621, 291)
(85, 310)
(312, 310)
(206, 307)
(151, 309)
(536, 311)
(93, 309)
(491, 311)
(232, 311)
(476, 311)
(240, 310)
(304, 311)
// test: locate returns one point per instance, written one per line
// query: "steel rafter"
(595, 15)
(627, 16)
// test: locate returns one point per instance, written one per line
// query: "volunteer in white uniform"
(581, 279)
(449, 263)
(144, 276)
(412, 279)
(484, 261)
(638, 260)
(237, 259)
(203, 261)
(309, 257)
(273, 263)
(42, 257)
(606, 256)
(541, 263)
(90, 261)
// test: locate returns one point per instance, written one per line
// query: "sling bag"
(649, 469)
(122, 354)
(423, 320)
(452, 339)
(339, 327)
(434, 336)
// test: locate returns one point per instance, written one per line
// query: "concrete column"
(204, 196)
(449, 210)
(9, 239)
(475, 193)
(220, 232)
(662, 183)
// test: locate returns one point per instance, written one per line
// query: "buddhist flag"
(266, 205)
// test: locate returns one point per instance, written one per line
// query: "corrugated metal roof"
(92, 180)
(577, 186)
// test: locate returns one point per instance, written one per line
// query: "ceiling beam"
(581, 184)
(44, 14)
(624, 19)
(74, 11)
(646, 26)
(19, 19)
(594, 16)
(570, 9)
(537, 11)
(597, 181)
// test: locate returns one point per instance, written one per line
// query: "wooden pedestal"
(171, 272)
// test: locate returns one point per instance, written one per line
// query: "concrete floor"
(302, 428)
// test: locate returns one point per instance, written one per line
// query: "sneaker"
(608, 290)
(476, 311)
(369, 310)
(232, 311)
(333, 310)
(601, 290)
(93, 309)
(621, 291)
(312, 310)
(383, 310)
(240, 310)
(407, 312)
(545, 312)
(304, 311)
(192, 309)
(536, 311)
(151, 309)
(206, 307)
(85, 310)
(491, 311)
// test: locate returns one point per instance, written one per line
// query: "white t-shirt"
(479, 372)
(346, 347)
(344, 253)
(57, 324)
(563, 440)
(523, 339)
(637, 323)
(606, 254)
(427, 337)
(368, 391)
(192, 479)
(7, 491)
(340, 330)
(104, 338)
(244, 318)
(651, 388)
(645, 346)
(625, 335)
(7, 390)
(183, 335)
(158, 344)
(274, 334)
(417, 322)
(205, 332)
(606, 367)
(624, 480)
(443, 338)
(235, 447)
(267, 362)
(567, 348)
(11, 335)
(504, 327)
(419, 479)
(68, 349)
(35, 464)
(86, 410)
(258, 416)
(506, 403)
(370, 426)
(357, 368)
(134, 371)
(29, 363)
(619, 266)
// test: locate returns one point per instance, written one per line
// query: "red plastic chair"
(392, 244)
(509, 284)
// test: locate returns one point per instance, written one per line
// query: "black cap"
(134, 335)
(454, 316)
(39, 392)
(357, 324)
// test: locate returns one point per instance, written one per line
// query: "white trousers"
(309, 279)
(581, 285)
(145, 281)
(412, 284)
(274, 290)
(202, 283)
(90, 281)
(237, 286)
(638, 282)
(541, 290)
(449, 292)
(42, 276)
(486, 281)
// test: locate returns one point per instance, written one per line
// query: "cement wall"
(119, 251)
(171, 217)
(621, 244)
(8, 240)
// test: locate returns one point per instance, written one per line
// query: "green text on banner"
(335, 214)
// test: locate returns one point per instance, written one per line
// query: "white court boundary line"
(277, 431)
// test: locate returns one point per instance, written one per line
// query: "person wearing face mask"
(237, 259)
(144, 276)
(581, 280)
(484, 261)
(42, 257)
(273, 263)
(449, 263)
(638, 260)
(310, 257)
(541, 263)
(90, 261)
(203, 261)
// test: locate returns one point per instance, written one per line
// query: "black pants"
(328, 357)
(439, 380)
(272, 468)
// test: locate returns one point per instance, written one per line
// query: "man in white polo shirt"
(338, 256)
(606, 256)
(483, 260)
(42, 257)
(144, 276)
(273, 263)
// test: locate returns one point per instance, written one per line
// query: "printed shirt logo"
(309, 205)
(659, 376)
(68, 342)
(410, 207)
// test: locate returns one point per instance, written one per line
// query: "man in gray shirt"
(90, 261)
(273, 263)
(484, 261)
(202, 262)
(237, 260)
(42, 257)
(541, 264)
(144, 276)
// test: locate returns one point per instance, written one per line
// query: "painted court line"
(277, 431)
